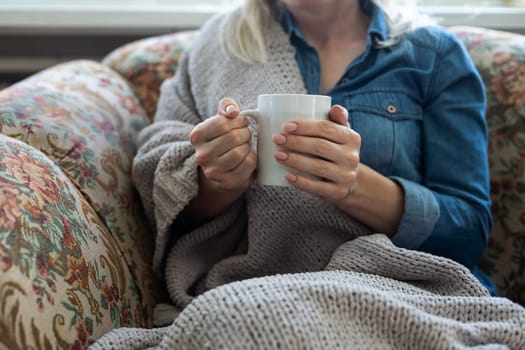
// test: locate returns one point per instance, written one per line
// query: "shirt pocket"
(389, 123)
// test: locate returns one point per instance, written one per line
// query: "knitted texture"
(164, 171)
(433, 303)
(281, 268)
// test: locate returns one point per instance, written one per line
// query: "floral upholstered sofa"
(75, 247)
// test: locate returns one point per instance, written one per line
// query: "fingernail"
(246, 122)
(281, 155)
(345, 111)
(291, 177)
(279, 139)
(289, 127)
(230, 108)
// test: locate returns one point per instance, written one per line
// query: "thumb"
(228, 108)
(339, 115)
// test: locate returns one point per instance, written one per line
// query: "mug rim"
(295, 95)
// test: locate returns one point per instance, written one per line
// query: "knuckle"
(239, 136)
(321, 169)
(344, 135)
(352, 159)
(357, 139)
(211, 173)
(355, 159)
(248, 133)
(223, 125)
(326, 126)
(239, 152)
(242, 122)
(342, 191)
(251, 160)
(353, 177)
(195, 135)
(202, 157)
(322, 148)
(235, 137)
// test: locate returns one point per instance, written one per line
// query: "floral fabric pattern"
(500, 59)
(148, 62)
(62, 281)
(85, 118)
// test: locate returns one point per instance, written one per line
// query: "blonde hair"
(243, 33)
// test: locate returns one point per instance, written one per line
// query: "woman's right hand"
(223, 151)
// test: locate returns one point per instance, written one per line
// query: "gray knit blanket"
(372, 295)
(281, 268)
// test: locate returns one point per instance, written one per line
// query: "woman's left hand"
(328, 150)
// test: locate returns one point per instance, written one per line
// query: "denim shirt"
(419, 108)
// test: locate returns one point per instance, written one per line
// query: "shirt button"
(344, 80)
(391, 109)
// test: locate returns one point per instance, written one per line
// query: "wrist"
(376, 201)
(211, 200)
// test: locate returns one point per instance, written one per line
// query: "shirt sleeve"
(448, 214)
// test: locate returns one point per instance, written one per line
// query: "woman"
(412, 96)
(403, 154)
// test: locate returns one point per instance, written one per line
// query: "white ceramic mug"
(274, 110)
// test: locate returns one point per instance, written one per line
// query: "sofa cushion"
(63, 282)
(85, 118)
(148, 62)
(500, 58)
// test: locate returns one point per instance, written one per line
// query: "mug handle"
(253, 113)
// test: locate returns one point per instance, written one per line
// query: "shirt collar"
(378, 29)
(290, 26)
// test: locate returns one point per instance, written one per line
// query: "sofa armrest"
(63, 282)
(148, 62)
(84, 117)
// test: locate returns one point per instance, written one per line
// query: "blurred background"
(35, 34)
